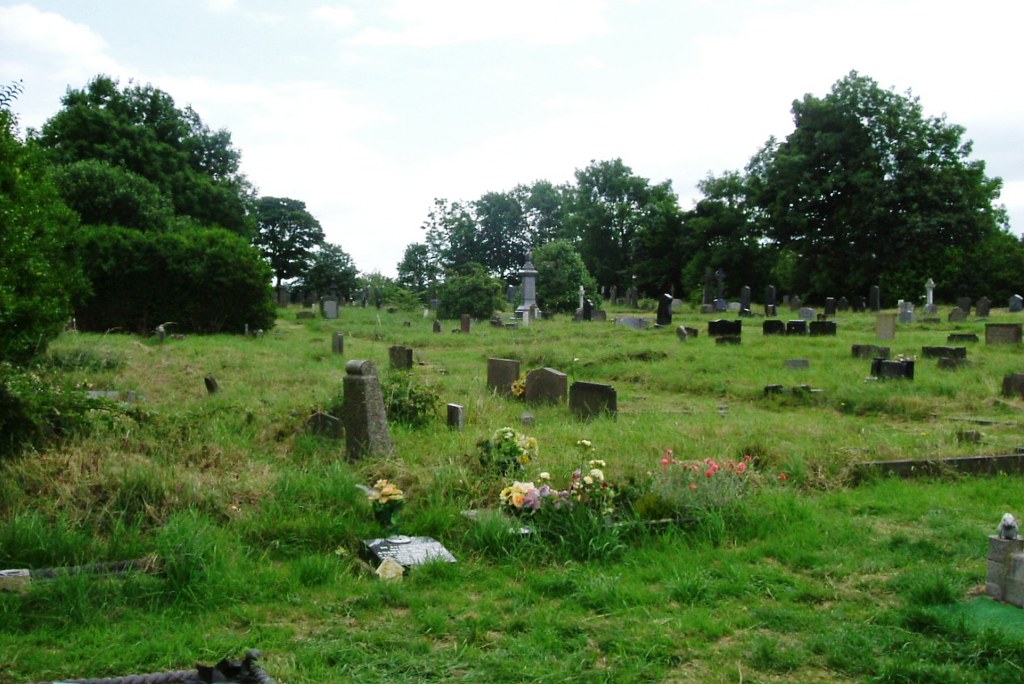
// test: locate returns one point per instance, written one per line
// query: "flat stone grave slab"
(975, 465)
(947, 352)
(798, 364)
(633, 322)
(962, 337)
(406, 551)
(1003, 333)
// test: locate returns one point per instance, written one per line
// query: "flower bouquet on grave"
(386, 500)
(507, 451)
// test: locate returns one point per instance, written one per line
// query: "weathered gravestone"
(684, 333)
(807, 313)
(929, 298)
(665, 310)
(843, 304)
(362, 412)
(906, 312)
(885, 326)
(796, 327)
(983, 307)
(457, 417)
(1013, 385)
(338, 343)
(1016, 303)
(773, 327)
(795, 303)
(875, 298)
(590, 399)
(633, 322)
(798, 364)
(830, 306)
(546, 386)
(330, 309)
(885, 369)
(437, 326)
(962, 337)
(964, 304)
(870, 351)
(821, 328)
(956, 315)
(406, 551)
(1002, 333)
(935, 352)
(721, 326)
(501, 375)
(677, 305)
(464, 323)
(769, 301)
(400, 357)
(745, 298)
(947, 363)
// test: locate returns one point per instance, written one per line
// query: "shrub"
(472, 292)
(408, 402)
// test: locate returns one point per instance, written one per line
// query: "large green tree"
(331, 268)
(39, 274)
(560, 273)
(139, 129)
(869, 190)
(288, 235)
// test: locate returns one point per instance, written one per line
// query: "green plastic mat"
(985, 613)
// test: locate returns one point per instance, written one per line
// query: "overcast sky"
(366, 110)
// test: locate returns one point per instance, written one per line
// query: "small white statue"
(1008, 527)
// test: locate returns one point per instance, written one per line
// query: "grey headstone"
(677, 305)
(906, 317)
(885, 326)
(400, 358)
(330, 309)
(886, 369)
(964, 304)
(437, 326)
(590, 399)
(407, 551)
(464, 323)
(843, 304)
(502, 374)
(798, 364)
(1013, 385)
(830, 306)
(808, 314)
(457, 417)
(363, 414)
(795, 303)
(1003, 333)
(338, 343)
(957, 315)
(962, 337)
(211, 384)
(633, 322)
(1016, 303)
(745, 297)
(983, 307)
(546, 386)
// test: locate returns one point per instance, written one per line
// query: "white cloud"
(450, 22)
(335, 16)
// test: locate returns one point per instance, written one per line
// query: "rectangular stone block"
(502, 374)
(1003, 333)
(590, 399)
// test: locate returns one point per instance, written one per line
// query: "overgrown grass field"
(797, 576)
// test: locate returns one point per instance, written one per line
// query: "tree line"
(866, 190)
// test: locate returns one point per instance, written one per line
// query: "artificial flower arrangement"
(387, 500)
(507, 450)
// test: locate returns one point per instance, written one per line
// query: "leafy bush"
(201, 279)
(408, 402)
(560, 273)
(472, 292)
(38, 272)
(35, 411)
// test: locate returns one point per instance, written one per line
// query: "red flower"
(783, 477)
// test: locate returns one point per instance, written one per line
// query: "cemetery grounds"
(797, 571)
